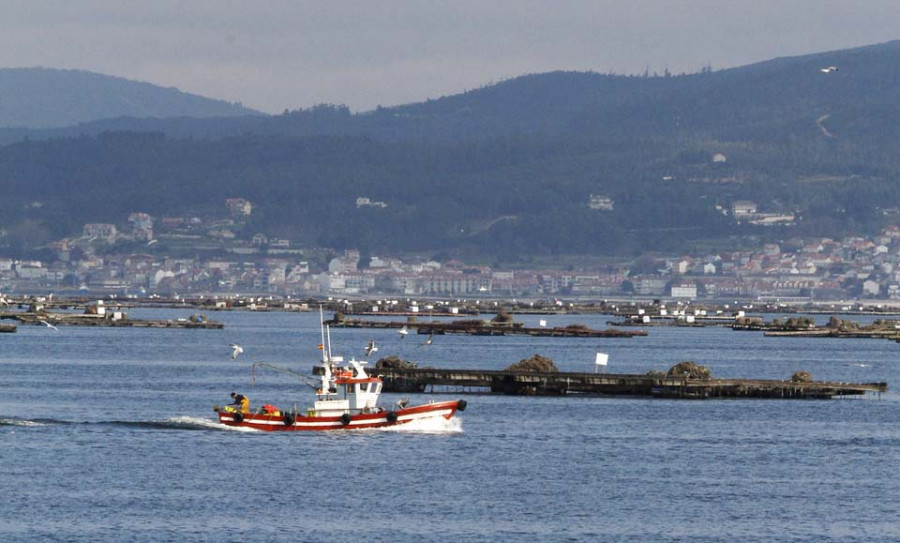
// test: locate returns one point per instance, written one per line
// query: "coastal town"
(139, 257)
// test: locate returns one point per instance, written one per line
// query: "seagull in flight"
(403, 332)
(828, 70)
(428, 341)
(45, 323)
(236, 350)
(371, 348)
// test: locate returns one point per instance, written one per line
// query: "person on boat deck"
(242, 401)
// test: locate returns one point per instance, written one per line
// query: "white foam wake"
(433, 425)
(21, 423)
(211, 424)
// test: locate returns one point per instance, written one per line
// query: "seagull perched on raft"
(236, 350)
(371, 348)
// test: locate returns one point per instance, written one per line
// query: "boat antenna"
(322, 330)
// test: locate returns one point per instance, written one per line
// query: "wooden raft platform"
(832, 333)
(561, 383)
(71, 319)
(473, 328)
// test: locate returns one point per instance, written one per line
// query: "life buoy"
(238, 417)
(288, 419)
(461, 405)
(345, 419)
(391, 417)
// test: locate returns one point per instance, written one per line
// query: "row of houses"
(820, 267)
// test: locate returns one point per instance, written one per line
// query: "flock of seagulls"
(403, 332)
(371, 347)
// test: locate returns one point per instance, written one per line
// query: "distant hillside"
(767, 101)
(506, 171)
(43, 98)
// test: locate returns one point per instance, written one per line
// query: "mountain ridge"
(48, 97)
(671, 153)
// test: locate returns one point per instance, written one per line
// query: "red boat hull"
(285, 422)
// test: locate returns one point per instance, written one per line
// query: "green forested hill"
(506, 170)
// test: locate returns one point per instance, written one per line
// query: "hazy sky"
(278, 54)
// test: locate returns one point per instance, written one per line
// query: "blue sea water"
(107, 434)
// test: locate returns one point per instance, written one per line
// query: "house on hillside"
(649, 285)
(871, 288)
(348, 263)
(684, 290)
(102, 231)
(238, 207)
(743, 208)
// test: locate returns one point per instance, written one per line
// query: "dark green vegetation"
(505, 171)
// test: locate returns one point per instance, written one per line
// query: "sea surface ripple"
(109, 435)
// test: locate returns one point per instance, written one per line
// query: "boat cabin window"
(371, 388)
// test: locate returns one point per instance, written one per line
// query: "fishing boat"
(346, 399)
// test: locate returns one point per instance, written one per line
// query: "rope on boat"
(308, 381)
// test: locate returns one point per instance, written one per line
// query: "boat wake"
(173, 423)
(181, 423)
(195, 423)
(434, 425)
(21, 423)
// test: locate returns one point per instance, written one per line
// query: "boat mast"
(328, 335)
(325, 355)
(325, 387)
